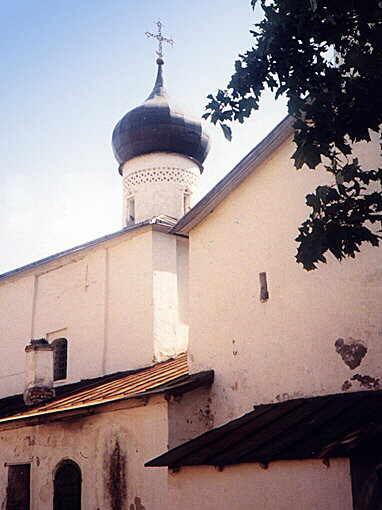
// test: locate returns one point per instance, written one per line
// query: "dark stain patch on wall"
(206, 416)
(352, 352)
(116, 477)
(364, 380)
(137, 505)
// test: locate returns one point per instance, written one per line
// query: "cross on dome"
(160, 39)
(157, 126)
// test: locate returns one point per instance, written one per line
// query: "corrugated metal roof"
(318, 427)
(168, 376)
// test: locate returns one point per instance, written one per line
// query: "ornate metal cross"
(160, 39)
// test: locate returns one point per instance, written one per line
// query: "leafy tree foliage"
(335, 102)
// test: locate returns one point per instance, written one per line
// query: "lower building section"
(285, 485)
(86, 462)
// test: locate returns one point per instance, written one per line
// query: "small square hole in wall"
(264, 294)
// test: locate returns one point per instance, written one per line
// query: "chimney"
(38, 372)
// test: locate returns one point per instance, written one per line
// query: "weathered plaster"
(189, 416)
(282, 347)
(115, 469)
(110, 449)
(352, 352)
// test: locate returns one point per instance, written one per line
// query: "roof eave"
(155, 223)
(235, 177)
(320, 427)
(175, 388)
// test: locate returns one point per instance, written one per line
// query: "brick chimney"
(38, 372)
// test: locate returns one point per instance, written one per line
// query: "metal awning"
(317, 427)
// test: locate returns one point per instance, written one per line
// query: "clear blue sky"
(70, 70)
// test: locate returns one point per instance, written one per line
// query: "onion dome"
(158, 126)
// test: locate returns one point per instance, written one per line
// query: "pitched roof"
(317, 427)
(169, 377)
(235, 177)
(204, 207)
(162, 222)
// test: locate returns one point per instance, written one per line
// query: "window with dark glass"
(60, 358)
(18, 488)
(186, 202)
(67, 486)
(130, 204)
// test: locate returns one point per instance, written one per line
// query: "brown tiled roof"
(317, 427)
(167, 377)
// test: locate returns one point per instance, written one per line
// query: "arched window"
(60, 358)
(67, 486)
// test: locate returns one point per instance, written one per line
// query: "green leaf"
(331, 104)
(313, 202)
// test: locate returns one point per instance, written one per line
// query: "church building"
(186, 361)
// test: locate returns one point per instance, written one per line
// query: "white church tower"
(160, 153)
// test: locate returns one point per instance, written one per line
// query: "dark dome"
(157, 126)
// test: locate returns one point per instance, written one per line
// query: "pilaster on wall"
(170, 334)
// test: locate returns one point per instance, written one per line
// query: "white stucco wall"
(116, 303)
(69, 302)
(189, 416)
(16, 305)
(91, 442)
(284, 347)
(182, 264)
(129, 311)
(283, 486)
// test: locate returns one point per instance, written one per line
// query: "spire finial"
(160, 40)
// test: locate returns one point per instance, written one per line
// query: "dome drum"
(159, 183)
